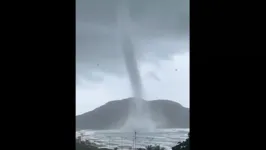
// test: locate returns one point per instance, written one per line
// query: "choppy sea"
(166, 138)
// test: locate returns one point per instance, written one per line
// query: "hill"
(112, 115)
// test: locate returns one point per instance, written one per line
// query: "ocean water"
(166, 138)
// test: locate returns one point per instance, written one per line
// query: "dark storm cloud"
(97, 45)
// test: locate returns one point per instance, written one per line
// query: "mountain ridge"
(113, 114)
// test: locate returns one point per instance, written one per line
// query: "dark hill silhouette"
(113, 114)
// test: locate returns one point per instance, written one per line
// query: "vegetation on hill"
(114, 114)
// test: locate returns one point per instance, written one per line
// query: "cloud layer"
(157, 26)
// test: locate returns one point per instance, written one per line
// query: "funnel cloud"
(138, 112)
(132, 67)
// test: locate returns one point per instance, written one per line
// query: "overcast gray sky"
(161, 38)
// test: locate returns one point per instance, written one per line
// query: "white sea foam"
(116, 138)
